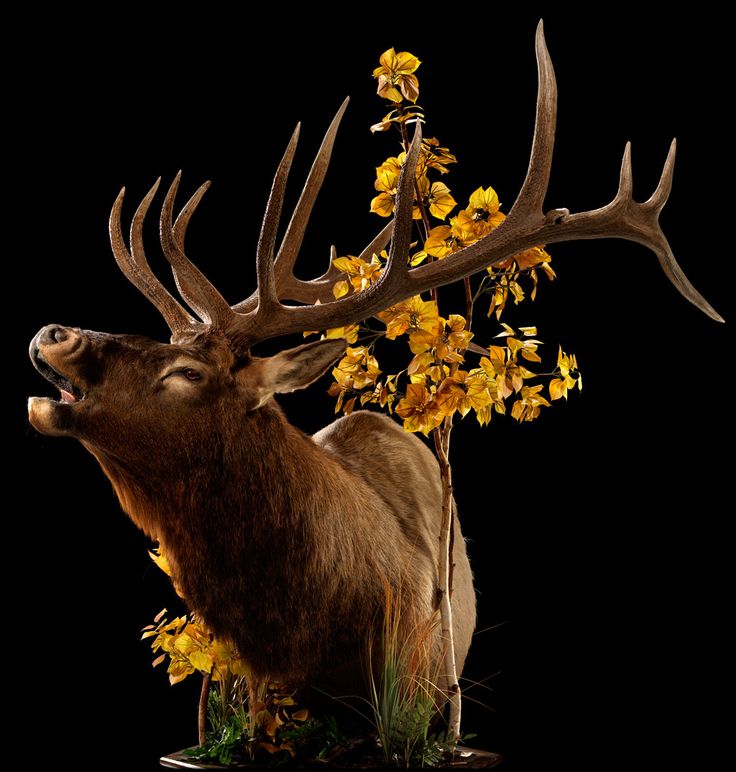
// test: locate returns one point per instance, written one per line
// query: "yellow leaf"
(201, 661)
(420, 363)
(484, 415)
(441, 203)
(530, 355)
(343, 264)
(516, 291)
(340, 289)
(158, 557)
(383, 205)
(557, 389)
(506, 331)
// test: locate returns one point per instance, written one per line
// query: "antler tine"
(397, 267)
(659, 198)
(529, 202)
(180, 230)
(267, 296)
(199, 293)
(294, 236)
(136, 268)
(287, 285)
(626, 178)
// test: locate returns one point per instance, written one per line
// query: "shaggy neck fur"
(253, 530)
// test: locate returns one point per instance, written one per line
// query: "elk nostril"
(57, 334)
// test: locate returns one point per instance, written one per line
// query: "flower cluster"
(187, 643)
(190, 647)
(438, 381)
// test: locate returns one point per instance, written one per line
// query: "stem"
(468, 303)
(441, 437)
(202, 712)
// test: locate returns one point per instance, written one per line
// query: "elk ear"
(294, 368)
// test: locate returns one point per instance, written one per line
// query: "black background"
(597, 533)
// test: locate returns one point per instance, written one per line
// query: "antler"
(263, 315)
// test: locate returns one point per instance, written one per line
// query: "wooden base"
(465, 758)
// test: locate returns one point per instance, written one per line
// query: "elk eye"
(190, 374)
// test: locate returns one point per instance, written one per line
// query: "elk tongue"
(67, 396)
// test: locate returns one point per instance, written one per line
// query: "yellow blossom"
(410, 316)
(536, 256)
(463, 230)
(463, 391)
(435, 157)
(508, 375)
(396, 80)
(387, 181)
(358, 364)
(527, 406)
(361, 274)
(441, 241)
(419, 410)
(447, 340)
(483, 211)
(436, 197)
(191, 647)
(569, 377)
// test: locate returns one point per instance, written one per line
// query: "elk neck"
(259, 496)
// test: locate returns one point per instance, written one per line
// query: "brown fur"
(280, 541)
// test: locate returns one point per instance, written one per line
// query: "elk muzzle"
(56, 352)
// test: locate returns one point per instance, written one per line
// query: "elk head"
(144, 403)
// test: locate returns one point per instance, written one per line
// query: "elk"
(203, 460)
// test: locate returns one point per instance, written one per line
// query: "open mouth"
(69, 392)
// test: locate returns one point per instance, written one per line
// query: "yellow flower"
(483, 211)
(396, 80)
(410, 315)
(419, 410)
(463, 230)
(569, 377)
(435, 157)
(531, 258)
(387, 181)
(440, 242)
(527, 406)
(360, 365)
(361, 274)
(447, 340)
(436, 197)
(463, 391)
(501, 366)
